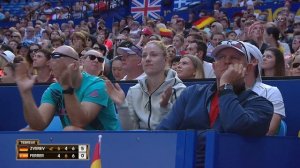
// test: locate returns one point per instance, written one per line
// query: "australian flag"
(141, 8)
(181, 3)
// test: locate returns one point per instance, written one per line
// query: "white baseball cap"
(237, 45)
(253, 51)
(8, 56)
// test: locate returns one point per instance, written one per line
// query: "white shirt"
(208, 70)
(286, 47)
(210, 49)
(271, 93)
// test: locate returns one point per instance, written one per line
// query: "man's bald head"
(94, 52)
(67, 50)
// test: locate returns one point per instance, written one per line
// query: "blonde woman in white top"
(149, 101)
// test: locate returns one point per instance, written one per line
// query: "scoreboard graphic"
(33, 150)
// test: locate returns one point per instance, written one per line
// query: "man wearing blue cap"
(131, 57)
(226, 105)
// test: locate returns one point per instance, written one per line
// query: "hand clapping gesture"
(23, 78)
(115, 92)
(165, 97)
(65, 79)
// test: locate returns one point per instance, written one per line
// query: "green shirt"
(93, 90)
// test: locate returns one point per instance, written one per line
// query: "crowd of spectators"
(180, 51)
(53, 10)
(243, 3)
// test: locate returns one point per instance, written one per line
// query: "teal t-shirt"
(93, 90)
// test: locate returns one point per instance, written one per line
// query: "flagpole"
(96, 162)
(100, 145)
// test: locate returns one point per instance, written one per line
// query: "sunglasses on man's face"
(296, 65)
(93, 57)
(57, 55)
(296, 24)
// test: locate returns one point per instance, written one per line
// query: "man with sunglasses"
(93, 62)
(226, 105)
(79, 99)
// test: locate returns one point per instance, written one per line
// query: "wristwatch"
(226, 86)
(69, 91)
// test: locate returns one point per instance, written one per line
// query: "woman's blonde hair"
(197, 63)
(159, 44)
(181, 37)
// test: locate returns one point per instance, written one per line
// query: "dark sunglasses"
(14, 36)
(296, 24)
(93, 57)
(57, 55)
(296, 65)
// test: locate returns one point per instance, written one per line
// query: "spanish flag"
(203, 21)
(23, 155)
(96, 162)
(165, 32)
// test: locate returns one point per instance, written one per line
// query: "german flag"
(203, 21)
(23, 149)
(165, 32)
(23, 155)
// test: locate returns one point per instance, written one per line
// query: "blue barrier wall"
(234, 151)
(11, 116)
(132, 149)
(155, 149)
